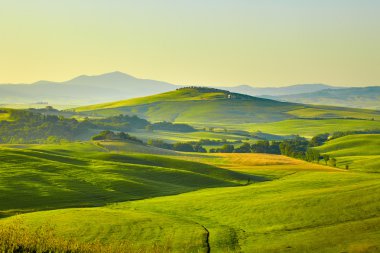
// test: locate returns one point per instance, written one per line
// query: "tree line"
(32, 126)
(298, 147)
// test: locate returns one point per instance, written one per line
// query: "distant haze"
(205, 42)
(109, 87)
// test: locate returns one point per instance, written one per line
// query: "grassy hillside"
(268, 165)
(360, 152)
(197, 104)
(304, 212)
(309, 127)
(185, 137)
(332, 210)
(36, 177)
(205, 105)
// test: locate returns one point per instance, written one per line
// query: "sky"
(193, 42)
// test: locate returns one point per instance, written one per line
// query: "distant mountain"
(212, 106)
(278, 91)
(83, 89)
(366, 97)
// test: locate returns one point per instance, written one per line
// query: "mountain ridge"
(355, 97)
(113, 86)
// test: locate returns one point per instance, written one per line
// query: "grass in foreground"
(308, 208)
(303, 212)
(35, 177)
(16, 237)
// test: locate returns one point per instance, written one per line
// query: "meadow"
(126, 196)
(305, 127)
(197, 105)
(172, 137)
(185, 202)
(330, 211)
(359, 152)
(35, 177)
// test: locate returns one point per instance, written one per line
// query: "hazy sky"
(209, 42)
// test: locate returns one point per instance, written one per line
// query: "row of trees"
(179, 146)
(119, 123)
(168, 126)
(298, 147)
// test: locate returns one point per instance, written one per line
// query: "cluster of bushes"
(298, 147)
(179, 146)
(120, 123)
(108, 135)
(28, 127)
(40, 126)
(258, 147)
(202, 89)
(168, 126)
(336, 135)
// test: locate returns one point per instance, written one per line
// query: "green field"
(90, 192)
(133, 197)
(172, 137)
(310, 127)
(306, 212)
(83, 174)
(360, 152)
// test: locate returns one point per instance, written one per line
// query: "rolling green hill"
(197, 105)
(77, 191)
(206, 105)
(35, 177)
(304, 212)
(310, 127)
(360, 152)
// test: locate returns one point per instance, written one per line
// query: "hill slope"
(360, 152)
(329, 211)
(36, 177)
(206, 105)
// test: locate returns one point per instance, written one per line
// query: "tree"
(318, 140)
(227, 148)
(326, 158)
(333, 162)
(123, 136)
(260, 147)
(309, 155)
(317, 156)
(185, 147)
(245, 148)
(104, 135)
(198, 148)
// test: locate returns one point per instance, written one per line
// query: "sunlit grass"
(359, 152)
